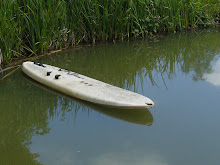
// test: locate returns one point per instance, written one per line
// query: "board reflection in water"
(137, 116)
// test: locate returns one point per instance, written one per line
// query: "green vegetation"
(30, 27)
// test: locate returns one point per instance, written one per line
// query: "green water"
(179, 72)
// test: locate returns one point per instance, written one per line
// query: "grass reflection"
(23, 114)
(129, 64)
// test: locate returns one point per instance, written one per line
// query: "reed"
(32, 27)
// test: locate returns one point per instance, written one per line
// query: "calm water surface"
(180, 73)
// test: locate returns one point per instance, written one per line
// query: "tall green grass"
(31, 27)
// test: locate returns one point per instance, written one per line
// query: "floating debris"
(18, 66)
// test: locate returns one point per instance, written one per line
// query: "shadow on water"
(26, 109)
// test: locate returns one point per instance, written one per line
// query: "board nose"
(149, 104)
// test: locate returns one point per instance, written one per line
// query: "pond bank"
(30, 28)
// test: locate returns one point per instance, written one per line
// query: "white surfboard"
(85, 88)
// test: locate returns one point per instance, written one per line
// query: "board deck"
(85, 88)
